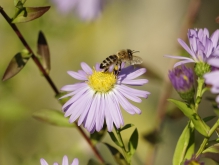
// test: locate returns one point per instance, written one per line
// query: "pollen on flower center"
(101, 81)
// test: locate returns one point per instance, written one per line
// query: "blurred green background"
(150, 26)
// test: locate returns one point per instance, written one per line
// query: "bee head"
(130, 53)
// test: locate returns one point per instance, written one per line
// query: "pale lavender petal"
(115, 111)
(215, 89)
(132, 91)
(91, 116)
(183, 62)
(136, 73)
(86, 68)
(100, 117)
(212, 78)
(56, 163)
(81, 86)
(65, 160)
(43, 162)
(138, 82)
(83, 73)
(78, 93)
(217, 99)
(127, 94)
(179, 57)
(72, 87)
(193, 45)
(75, 162)
(76, 75)
(82, 118)
(185, 46)
(109, 120)
(126, 105)
(214, 62)
(208, 48)
(215, 37)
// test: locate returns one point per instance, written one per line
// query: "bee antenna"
(133, 51)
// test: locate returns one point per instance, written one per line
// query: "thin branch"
(49, 80)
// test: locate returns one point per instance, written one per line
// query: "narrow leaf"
(212, 152)
(199, 124)
(114, 139)
(43, 51)
(30, 13)
(53, 117)
(117, 155)
(126, 127)
(133, 142)
(16, 65)
(185, 145)
(97, 136)
(209, 118)
(19, 3)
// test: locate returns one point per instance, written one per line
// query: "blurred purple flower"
(87, 10)
(182, 79)
(202, 47)
(100, 95)
(212, 77)
(64, 161)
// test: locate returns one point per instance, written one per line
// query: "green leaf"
(29, 13)
(199, 124)
(97, 136)
(93, 162)
(117, 155)
(16, 64)
(212, 152)
(209, 118)
(53, 117)
(43, 51)
(19, 3)
(185, 145)
(133, 142)
(126, 127)
(114, 139)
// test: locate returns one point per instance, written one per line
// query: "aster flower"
(64, 161)
(202, 47)
(99, 95)
(182, 79)
(212, 77)
(86, 10)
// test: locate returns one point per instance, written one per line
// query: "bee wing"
(136, 60)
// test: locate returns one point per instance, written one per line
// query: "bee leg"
(117, 69)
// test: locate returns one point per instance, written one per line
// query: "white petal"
(138, 82)
(100, 115)
(109, 120)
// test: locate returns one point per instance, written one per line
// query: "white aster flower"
(99, 95)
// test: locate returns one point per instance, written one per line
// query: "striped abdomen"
(108, 61)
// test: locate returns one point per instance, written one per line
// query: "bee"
(124, 55)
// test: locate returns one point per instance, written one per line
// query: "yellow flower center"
(101, 81)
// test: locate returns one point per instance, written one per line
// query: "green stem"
(125, 152)
(205, 141)
(199, 93)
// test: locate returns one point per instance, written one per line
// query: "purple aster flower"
(182, 79)
(86, 10)
(64, 161)
(212, 77)
(202, 47)
(99, 95)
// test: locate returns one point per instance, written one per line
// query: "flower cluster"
(99, 95)
(202, 46)
(86, 10)
(64, 161)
